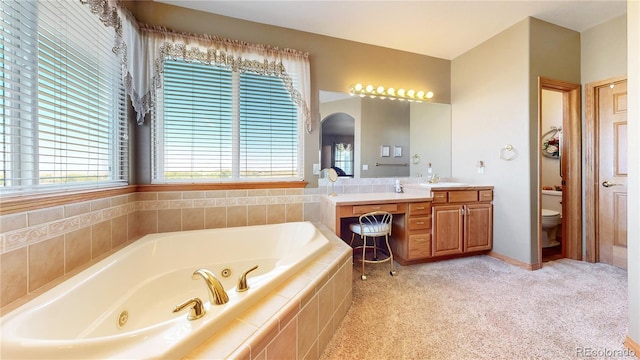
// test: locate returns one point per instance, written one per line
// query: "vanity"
(442, 223)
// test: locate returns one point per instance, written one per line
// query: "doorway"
(570, 161)
(606, 173)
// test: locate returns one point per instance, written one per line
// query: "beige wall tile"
(283, 347)
(100, 204)
(119, 200)
(13, 222)
(193, 195)
(13, 276)
(308, 326)
(257, 214)
(236, 193)
(193, 219)
(169, 220)
(77, 209)
(170, 195)
(326, 306)
(148, 196)
(147, 221)
(275, 213)
(276, 192)
(312, 211)
(77, 248)
(119, 230)
(266, 333)
(46, 262)
(236, 216)
(326, 334)
(100, 238)
(294, 212)
(313, 353)
(215, 217)
(45, 215)
(257, 192)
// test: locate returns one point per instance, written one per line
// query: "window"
(343, 158)
(63, 102)
(212, 123)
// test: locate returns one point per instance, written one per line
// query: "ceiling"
(443, 29)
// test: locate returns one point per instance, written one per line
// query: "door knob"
(608, 184)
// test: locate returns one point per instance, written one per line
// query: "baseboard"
(515, 262)
(633, 346)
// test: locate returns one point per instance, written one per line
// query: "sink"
(425, 188)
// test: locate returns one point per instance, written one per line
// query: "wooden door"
(447, 230)
(612, 173)
(478, 227)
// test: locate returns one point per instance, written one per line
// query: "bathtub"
(122, 307)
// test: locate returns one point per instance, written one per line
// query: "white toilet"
(551, 217)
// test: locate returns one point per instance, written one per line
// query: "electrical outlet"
(365, 167)
(316, 169)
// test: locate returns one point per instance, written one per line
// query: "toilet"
(551, 217)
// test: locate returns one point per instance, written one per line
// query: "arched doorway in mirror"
(338, 143)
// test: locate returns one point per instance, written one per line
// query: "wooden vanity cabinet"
(413, 241)
(462, 221)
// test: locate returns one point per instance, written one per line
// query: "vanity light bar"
(390, 93)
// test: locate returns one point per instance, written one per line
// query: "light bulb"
(429, 95)
(410, 93)
(420, 94)
(391, 91)
(380, 90)
(358, 87)
(369, 88)
(401, 92)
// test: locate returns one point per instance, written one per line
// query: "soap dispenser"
(398, 186)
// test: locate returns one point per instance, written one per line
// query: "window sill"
(224, 186)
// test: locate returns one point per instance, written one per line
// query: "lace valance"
(143, 49)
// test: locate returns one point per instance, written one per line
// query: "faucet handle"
(197, 308)
(242, 282)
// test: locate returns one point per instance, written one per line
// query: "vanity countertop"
(379, 198)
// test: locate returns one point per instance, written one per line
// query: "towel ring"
(508, 153)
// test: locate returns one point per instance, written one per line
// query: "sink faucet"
(217, 295)
(434, 178)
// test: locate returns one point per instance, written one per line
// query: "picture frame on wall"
(397, 151)
(384, 151)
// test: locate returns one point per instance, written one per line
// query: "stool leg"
(364, 252)
(352, 236)
(392, 272)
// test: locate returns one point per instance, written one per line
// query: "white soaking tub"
(122, 307)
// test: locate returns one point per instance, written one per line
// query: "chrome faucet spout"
(434, 178)
(217, 295)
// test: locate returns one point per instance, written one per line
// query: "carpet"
(483, 308)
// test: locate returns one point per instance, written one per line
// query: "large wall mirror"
(365, 137)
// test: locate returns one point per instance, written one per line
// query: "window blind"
(63, 107)
(214, 124)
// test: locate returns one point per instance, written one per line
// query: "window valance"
(144, 48)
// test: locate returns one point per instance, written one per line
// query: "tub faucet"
(217, 295)
(242, 282)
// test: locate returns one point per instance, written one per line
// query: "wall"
(603, 51)
(335, 64)
(633, 244)
(490, 109)
(430, 138)
(499, 106)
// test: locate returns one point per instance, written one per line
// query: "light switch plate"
(316, 169)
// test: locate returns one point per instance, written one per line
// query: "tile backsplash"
(40, 246)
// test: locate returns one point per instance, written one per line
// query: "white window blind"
(63, 108)
(214, 124)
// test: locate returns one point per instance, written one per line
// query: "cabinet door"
(478, 227)
(447, 229)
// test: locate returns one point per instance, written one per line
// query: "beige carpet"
(482, 308)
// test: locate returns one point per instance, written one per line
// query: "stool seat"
(371, 226)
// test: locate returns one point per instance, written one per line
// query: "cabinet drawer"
(419, 246)
(486, 195)
(463, 196)
(439, 196)
(362, 209)
(420, 223)
(421, 208)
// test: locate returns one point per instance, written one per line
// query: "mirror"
(364, 137)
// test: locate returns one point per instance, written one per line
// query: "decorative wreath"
(551, 147)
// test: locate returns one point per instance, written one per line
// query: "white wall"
(633, 73)
(490, 109)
